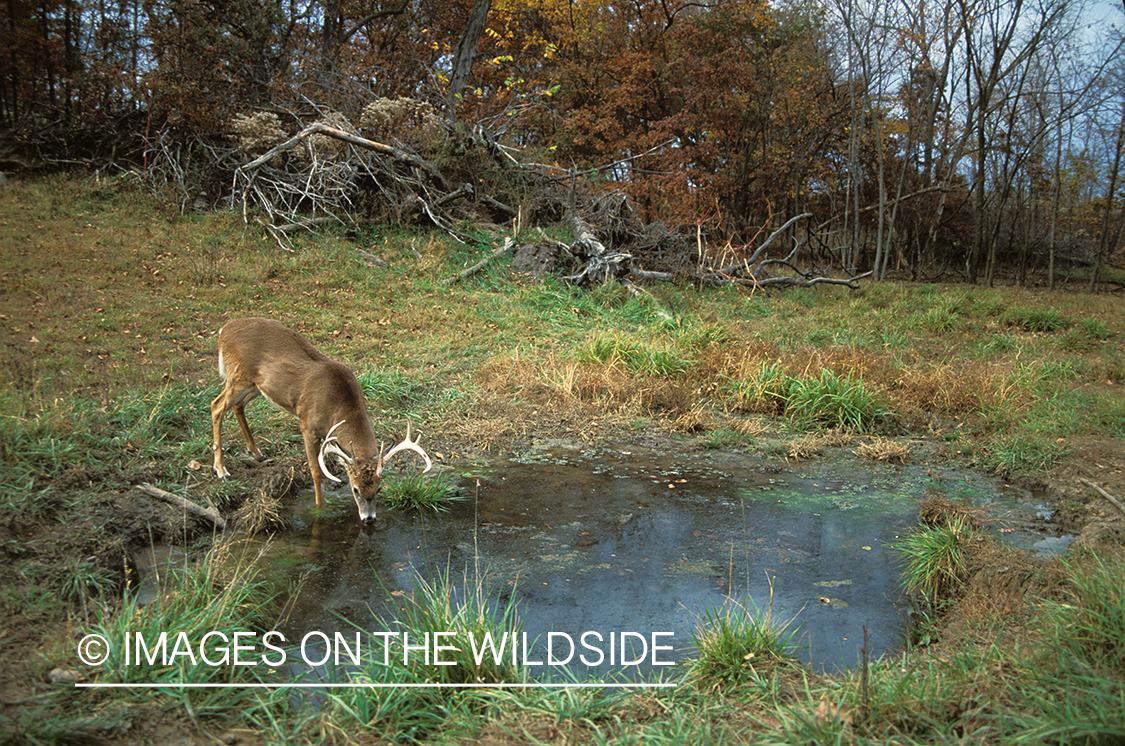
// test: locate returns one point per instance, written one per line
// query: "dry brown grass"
(261, 512)
(696, 420)
(576, 389)
(804, 447)
(748, 426)
(940, 511)
(955, 390)
(883, 449)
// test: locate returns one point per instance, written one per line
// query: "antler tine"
(330, 447)
(406, 445)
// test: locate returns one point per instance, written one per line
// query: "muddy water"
(639, 541)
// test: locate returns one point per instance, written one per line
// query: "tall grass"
(765, 390)
(1092, 618)
(216, 595)
(830, 400)
(635, 355)
(468, 611)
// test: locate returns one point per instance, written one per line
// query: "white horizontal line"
(327, 685)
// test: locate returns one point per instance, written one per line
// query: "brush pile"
(402, 164)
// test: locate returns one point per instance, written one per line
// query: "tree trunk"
(1104, 244)
(463, 56)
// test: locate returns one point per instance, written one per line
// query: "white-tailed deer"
(261, 356)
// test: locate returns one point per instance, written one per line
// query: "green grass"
(765, 390)
(832, 401)
(424, 494)
(937, 560)
(639, 356)
(96, 396)
(1086, 335)
(1022, 453)
(1093, 613)
(737, 643)
(466, 611)
(1035, 319)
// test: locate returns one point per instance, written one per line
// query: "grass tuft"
(1022, 453)
(765, 390)
(937, 559)
(421, 493)
(1035, 319)
(738, 642)
(467, 611)
(831, 401)
(638, 356)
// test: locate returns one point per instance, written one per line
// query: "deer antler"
(406, 445)
(330, 447)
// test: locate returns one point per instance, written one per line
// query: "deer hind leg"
(240, 415)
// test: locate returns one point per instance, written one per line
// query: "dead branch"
(465, 190)
(766, 244)
(1113, 500)
(339, 134)
(209, 514)
(509, 244)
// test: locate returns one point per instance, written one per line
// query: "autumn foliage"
(729, 115)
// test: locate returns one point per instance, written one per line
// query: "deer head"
(365, 477)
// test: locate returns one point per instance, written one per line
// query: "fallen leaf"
(828, 711)
(65, 676)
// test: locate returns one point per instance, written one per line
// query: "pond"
(639, 541)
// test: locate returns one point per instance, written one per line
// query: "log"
(209, 514)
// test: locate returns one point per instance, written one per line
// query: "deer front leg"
(218, 411)
(312, 452)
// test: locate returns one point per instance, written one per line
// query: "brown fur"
(263, 357)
